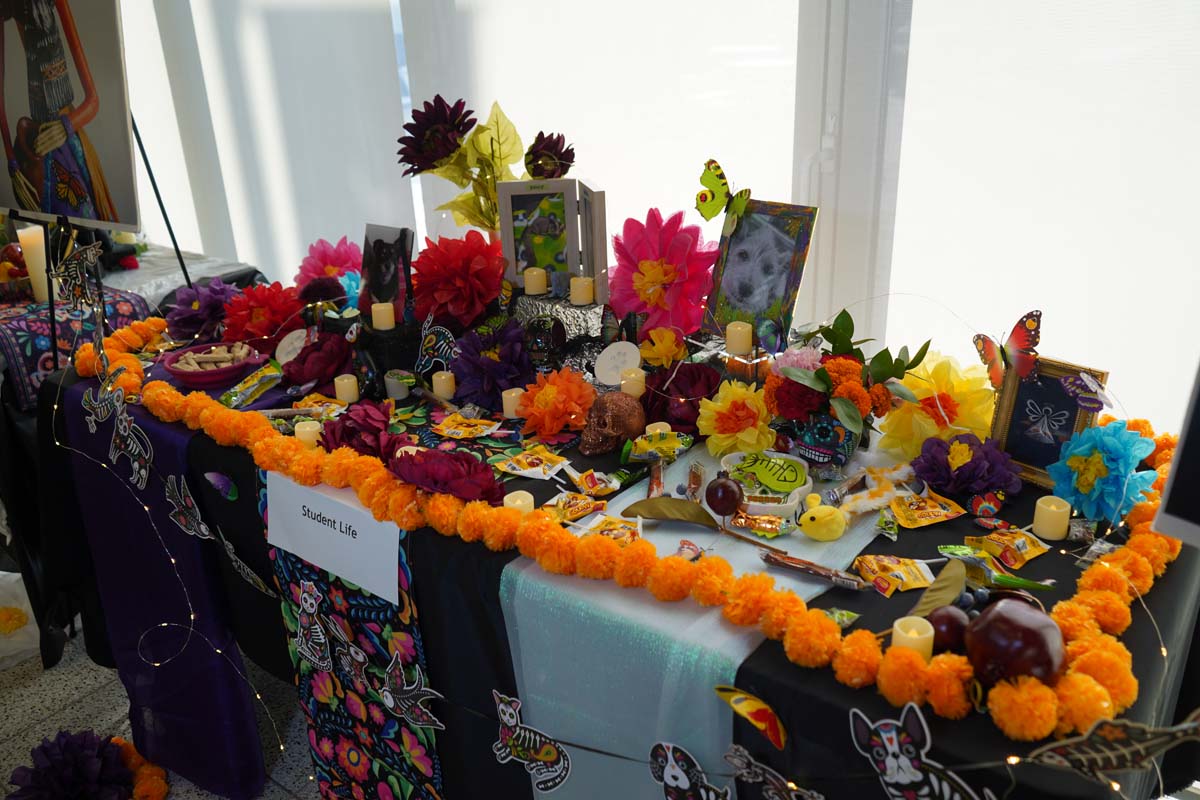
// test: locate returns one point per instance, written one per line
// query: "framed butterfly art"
(1037, 413)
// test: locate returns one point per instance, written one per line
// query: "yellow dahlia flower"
(736, 420)
(663, 347)
(950, 400)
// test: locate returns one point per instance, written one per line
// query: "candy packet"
(536, 462)
(918, 510)
(1012, 546)
(456, 426)
(655, 446)
(841, 616)
(891, 573)
(572, 506)
(984, 571)
(886, 524)
(253, 386)
(623, 530)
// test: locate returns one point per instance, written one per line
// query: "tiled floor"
(77, 695)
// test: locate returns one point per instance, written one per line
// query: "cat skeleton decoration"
(72, 276)
(680, 775)
(545, 760)
(897, 748)
(406, 700)
(311, 642)
(130, 441)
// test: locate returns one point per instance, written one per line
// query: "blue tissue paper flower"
(351, 282)
(1097, 471)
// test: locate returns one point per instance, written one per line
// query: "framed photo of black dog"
(539, 226)
(1035, 417)
(759, 266)
(384, 250)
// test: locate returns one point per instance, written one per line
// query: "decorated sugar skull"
(614, 417)
(823, 440)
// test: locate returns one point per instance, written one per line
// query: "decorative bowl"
(775, 505)
(210, 378)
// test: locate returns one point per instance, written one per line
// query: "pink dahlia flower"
(664, 270)
(325, 260)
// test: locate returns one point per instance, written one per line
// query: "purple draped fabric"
(194, 714)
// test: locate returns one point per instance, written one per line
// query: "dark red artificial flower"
(363, 428)
(262, 315)
(798, 402)
(457, 278)
(673, 395)
(435, 133)
(549, 156)
(320, 361)
(447, 472)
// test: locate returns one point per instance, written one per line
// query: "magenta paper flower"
(325, 260)
(664, 270)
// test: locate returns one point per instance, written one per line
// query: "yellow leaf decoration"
(455, 169)
(496, 141)
(471, 210)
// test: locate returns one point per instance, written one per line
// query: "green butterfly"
(715, 197)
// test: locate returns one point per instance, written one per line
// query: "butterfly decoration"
(987, 504)
(771, 335)
(184, 512)
(72, 275)
(1019, 352)
(994, 524)
(68, 187)
(715, 197)
(437, 344)
(223, 484)
(1086, 391)
(1042, 422)
(756, 712)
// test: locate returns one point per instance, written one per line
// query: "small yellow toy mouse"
(821, 522)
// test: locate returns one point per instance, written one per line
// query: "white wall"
(1050, 161)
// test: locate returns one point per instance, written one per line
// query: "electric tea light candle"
(443, 385)
(345, 388)
(583, 291)
(1051, 518)
(915, 633)
(33, 247)
(512, 400)
(535, 280)
(383, 316)
(308, 431)
(521, 500)
(633, 381)
(739, 338)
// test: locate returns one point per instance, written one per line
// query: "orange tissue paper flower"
(857, 660)
(781, 607)
(812, 639)
(1102, 643)
(501, 531)
(1081, 702)
(712, 581)
(404, 507)
(671, 578)
(441, 512)
(555, 401)
(1074, 620)
(1024, 709)
(946, 679)
(472, 522)
(901, 677)
(1174, 546)
(855, 393)
(634, 564)
(533, 530)
(1110, 670)
(1107, 608)
(747, 598)
(596, 557)
(1136, 568)
(1101, 576)
(557, 553)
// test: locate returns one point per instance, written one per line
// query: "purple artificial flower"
(487, 365)
(323, 289)
(199, 310)
(964, 465)
(73, 765)
(363, 428)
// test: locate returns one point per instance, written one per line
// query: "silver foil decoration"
(580, 321)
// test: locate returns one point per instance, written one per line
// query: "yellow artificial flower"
(736, 420)
(950, 400)
(663, 347)
(960, 453)
(1088, 470)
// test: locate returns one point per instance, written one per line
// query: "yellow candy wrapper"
(656, 446)
(536, 462)
(592, 483)
(456, 426)
(572, 506)
(1012, 548)
(623, 530)
(889, 574)
(917, 511)
(253, 386)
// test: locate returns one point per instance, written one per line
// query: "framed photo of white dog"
(759, 266)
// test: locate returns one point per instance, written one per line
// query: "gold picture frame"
(1033, 418)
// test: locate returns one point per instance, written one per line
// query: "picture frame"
(382, 276)
(1034, 418)
(539, 226)
(759, 267)
(593, 239)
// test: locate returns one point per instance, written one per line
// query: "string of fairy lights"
(190, 630)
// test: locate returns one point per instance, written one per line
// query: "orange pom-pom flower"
(1024, 709)
(856, 662)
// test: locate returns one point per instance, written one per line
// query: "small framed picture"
(593, 239)
(539, 226)
(759, 266)
(1034, 418)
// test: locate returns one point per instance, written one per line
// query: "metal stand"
(158, 196)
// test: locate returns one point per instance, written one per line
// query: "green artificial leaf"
(495, 141)
(806, 377)
(468, 211)
(903, 355)
(847, 414)
(858, 342)
(839, 343)
(672, 508)
(455, 169)
(920, 356)
(944, 590)
(843, 323)
(899, 367)
(901, 391)
(823, 374)
(880, 367)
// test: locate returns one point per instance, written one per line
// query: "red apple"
(1012, 638)
(12, 253)
(949, 626)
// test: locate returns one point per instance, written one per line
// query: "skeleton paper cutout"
(350, 656)
(437, 346)
(72, 276)
(774, 785)
(544, 758)
(897, 750)
(406, 700)
(184, 512)
(103, 401)
(130, 441)
(681, 776)
(243, 569)
(311, 642)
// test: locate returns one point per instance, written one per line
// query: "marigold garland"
(533, 530)
(149, 780)
(781, 607)
(12, 619)
(712, 581)
(596, 557)
(1110, 670)
(557, 552)
(1153, 548)
(1081, 702)
(856, 663)
(1174, 546)
(1025, 709)
(634, 564)
(747, 598)
(1102, 643)
(1103, 577)
(946, 679)
(1107, 608)
(671, 579)
(812, 639)
(473, 520)
(441, 512)
(1074, 620)
(1136, 568)
(901, 677)
(501, 531)
(120, 349)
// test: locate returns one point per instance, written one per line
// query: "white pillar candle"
(655, 428)
(915, 633)
(739, 338)
(633, 381)
(535, 280)
(443, 385)
(308, 431)
(512, 401)
(345, 388)
(33, 247)
(1051, 518)
(520, 500)
(383, 316)
(583, 291)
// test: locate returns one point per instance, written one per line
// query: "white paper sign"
(330, 528)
